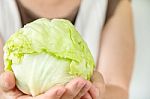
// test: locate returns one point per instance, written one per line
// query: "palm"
(8, 90)
(16, 94)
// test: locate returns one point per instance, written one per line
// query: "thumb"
(97, 77)
(7, 81)
(98, 82)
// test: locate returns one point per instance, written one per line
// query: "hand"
(73, 90)
(76, 88)
(97, 89)
(8, 89)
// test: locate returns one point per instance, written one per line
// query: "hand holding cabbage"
(46, 53)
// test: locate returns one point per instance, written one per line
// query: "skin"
(117, 52)
(115, 59)
(73, 90)
(53, 8)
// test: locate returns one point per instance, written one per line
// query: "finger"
(7, 81)
(84, 90)
(53, 93)
(86, 96)
(25, 97)
(7, 85)
(94, 92)
(73, 88)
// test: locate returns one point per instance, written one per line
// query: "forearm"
(117, 52)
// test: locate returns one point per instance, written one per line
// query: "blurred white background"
(140, 85)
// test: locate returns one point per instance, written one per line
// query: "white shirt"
(89, 22)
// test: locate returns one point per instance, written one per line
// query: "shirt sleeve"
(10, 20)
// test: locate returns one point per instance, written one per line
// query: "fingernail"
(60, 92)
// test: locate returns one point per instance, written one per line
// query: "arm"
(117, 52)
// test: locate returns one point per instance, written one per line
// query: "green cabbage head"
(46, 53)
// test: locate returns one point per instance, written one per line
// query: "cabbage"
(46, 53)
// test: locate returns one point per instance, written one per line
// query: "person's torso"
(89, 21)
